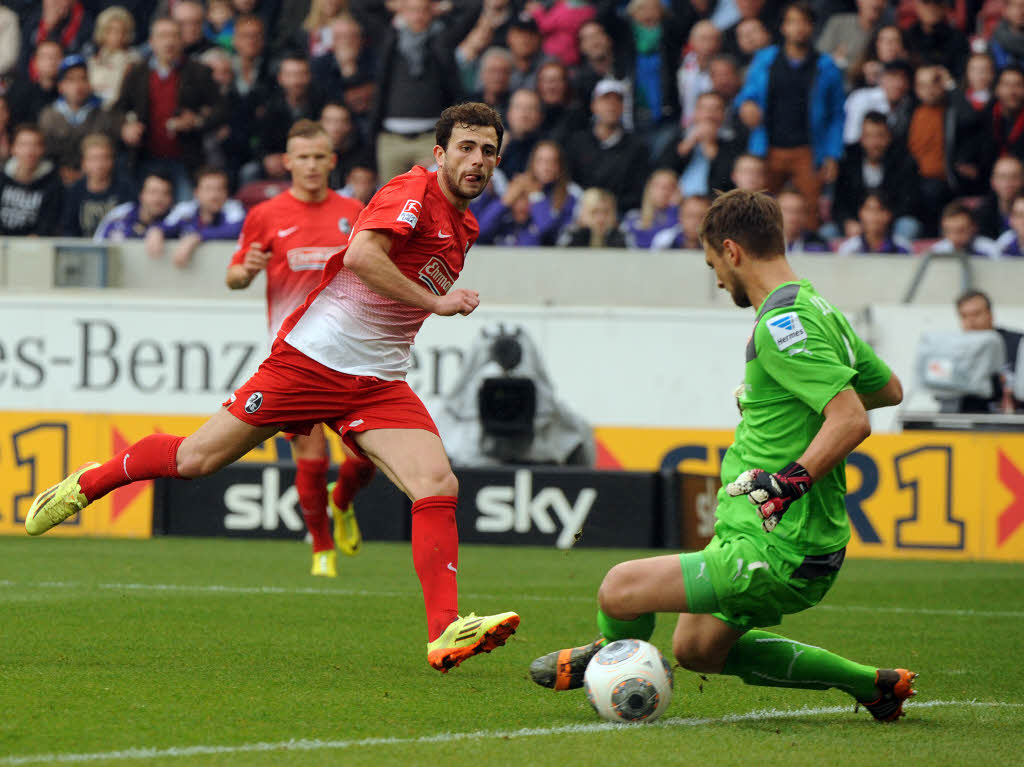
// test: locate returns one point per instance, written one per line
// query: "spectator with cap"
(167, 106)
(975, 311)
(932, 40)
(96, 193)
(74, 115)
(30, 189)
(608, 156)
(28, 96)
(792, 102)
(131, 220)
(1005, 183)
(113, 54)
(417, 78)
(66, 22)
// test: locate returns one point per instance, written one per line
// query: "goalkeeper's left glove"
(771, 493)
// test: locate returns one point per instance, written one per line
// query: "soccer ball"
(628, 681)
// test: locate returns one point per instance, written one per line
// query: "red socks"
(353, 475)
(311, 483)
(435, 555)
(150, 457)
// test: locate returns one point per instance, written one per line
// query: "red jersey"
(301, 237)
(346, 326)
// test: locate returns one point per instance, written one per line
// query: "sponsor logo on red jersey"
(411, 212)
(436, 276)
(309, 259)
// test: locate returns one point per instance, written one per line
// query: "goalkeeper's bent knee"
(613, 629)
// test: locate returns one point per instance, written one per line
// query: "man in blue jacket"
(792, 101)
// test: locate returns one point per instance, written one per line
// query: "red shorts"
(293, 393)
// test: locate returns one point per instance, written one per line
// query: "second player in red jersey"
(291, 237)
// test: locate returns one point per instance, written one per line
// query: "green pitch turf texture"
(214, 652)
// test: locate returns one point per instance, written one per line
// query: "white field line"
(310, 591)
(449, 737)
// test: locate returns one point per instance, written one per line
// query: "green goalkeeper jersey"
(801, 354)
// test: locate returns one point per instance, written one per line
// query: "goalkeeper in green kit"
(781, 529)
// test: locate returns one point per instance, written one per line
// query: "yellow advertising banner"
(924, 494)
(930, 495)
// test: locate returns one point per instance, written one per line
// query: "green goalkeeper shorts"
(748, 582)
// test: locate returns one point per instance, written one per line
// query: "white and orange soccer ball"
(629, 681)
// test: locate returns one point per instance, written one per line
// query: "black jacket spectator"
(899, 180)
(33, 207)
(943, 45)
(621, 168)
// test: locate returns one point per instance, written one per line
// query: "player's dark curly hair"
(468, 115)
(751, 219)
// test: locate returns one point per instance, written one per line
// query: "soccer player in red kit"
(291, 237)
(341, 359)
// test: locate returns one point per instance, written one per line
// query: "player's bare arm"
(367, 257)
(846, 426)
(890, 394)
(241, 275)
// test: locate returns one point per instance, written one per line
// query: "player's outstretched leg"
(216, 443)
(769, 660)
(55, 504)
(152, 456)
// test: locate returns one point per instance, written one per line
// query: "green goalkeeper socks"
(613, 629)
(770, 660)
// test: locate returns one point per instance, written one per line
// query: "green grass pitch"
(214, 652)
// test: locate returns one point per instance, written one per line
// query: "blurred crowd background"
(883, 127)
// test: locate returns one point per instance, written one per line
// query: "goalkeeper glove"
(771, 493)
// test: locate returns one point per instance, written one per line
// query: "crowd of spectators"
(878, 123)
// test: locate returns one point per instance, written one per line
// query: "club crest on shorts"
(253, 403)
(410, 213)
